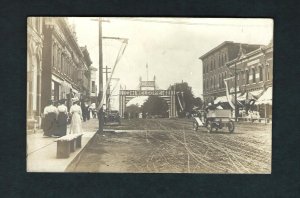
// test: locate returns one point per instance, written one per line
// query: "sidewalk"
(41, 151)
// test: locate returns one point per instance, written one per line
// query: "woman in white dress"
(76, 112)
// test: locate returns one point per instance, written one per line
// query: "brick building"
(215, 69)
(64, 63)
(93, 86)
(254, 76)
(86, 75)
(34, 71)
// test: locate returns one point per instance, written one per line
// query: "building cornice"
(214, 49)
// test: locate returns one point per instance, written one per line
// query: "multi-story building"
(254, 75)
(93, 86)
(63, 62)
(215, 69)
(86, 75)
(34, 70)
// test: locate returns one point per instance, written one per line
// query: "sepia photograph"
(149, 95)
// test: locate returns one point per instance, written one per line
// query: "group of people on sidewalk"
(55, 119)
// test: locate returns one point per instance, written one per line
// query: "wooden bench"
(67, 144)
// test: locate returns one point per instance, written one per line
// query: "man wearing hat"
(62, 118)
(49, 120)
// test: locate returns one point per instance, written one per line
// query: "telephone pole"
(100, 96)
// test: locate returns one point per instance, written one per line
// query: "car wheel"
(209, 127)
(230, 126)
(195, 126)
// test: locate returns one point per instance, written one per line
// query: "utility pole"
(100, 96)
(235, 95)
(108, 88)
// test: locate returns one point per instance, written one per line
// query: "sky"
(170, 46)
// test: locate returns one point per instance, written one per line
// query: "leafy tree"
(186, 97)
(198, 102)
(155, 105)
(187, 100)
(134, 110)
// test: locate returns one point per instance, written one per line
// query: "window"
(247, 76)
(222, 79)
(260, 74)
(214, 81)
(254, 75)
(53, 46)
(93, 87)
(207, 84)
(57, 57)
(62, 62)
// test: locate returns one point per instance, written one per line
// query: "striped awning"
(266, 98)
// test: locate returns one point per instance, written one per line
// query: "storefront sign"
(146, 92)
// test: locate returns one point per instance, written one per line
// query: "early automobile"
(112, 117)
(214, 120)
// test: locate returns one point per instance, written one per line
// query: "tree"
(134, 110)
(155, 105)
(198, 102)
(185, 96)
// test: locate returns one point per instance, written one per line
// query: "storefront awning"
(220, 99)
(266, 98)
(256, 93)
(242, 97)
(251, 95)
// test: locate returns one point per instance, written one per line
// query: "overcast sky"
(170, 46)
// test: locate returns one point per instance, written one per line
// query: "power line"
(182, 22)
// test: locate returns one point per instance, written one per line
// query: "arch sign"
(168, 95)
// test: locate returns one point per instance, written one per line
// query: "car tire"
(209, 127)
(230, 126)
(195, 126)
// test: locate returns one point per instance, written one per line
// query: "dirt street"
(171, 146)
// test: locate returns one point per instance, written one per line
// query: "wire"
(181, 22)
(120, 53)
